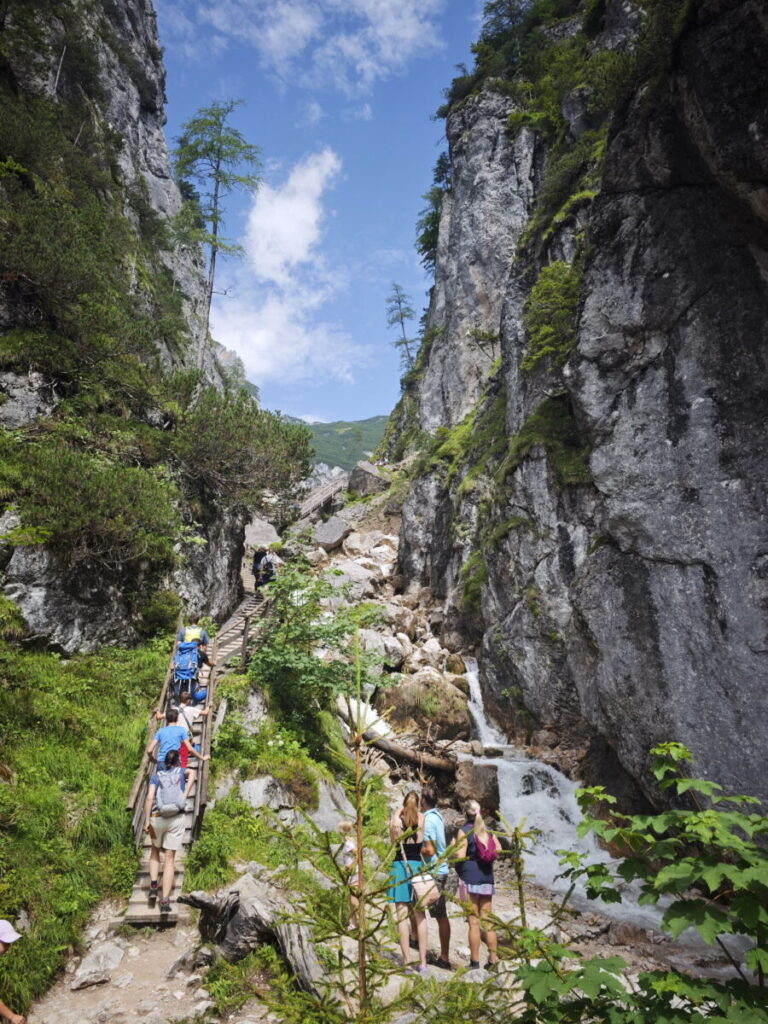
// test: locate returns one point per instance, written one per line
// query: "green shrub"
(89, 510)
(549, 315)
(553, 426)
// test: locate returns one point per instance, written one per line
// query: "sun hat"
(8, 933)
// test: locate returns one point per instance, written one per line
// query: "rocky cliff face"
(107, 57)
(623, 604)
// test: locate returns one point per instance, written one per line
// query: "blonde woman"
(406, 829)
(476, 885)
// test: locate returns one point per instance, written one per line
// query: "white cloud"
(312, 113)
(273, 319)
(284, 222)
(349, 44)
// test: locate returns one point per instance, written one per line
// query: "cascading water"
(542, 800)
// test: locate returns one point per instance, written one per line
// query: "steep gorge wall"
(106, 59)
(623, 604)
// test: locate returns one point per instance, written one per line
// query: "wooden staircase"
(229, 653)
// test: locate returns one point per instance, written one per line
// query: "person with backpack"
(195, 634)
(164, 816)
(434, 847)
(476, 850)
(265, 566)
(8, 935)
(406, 830)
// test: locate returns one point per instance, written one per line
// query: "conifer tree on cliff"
(211, 152)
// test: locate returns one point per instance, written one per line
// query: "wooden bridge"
(229, 653)
(320, 496)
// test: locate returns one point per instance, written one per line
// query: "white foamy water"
(488, 734)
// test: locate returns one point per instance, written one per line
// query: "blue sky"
(339, 96)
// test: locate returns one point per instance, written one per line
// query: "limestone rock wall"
(126, 92)
(633, 608)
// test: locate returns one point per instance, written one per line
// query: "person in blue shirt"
(172, 737)
(434, 833)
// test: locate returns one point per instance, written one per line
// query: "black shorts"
(438, 910)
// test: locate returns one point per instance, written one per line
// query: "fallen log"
(439, 764)
(251, 911)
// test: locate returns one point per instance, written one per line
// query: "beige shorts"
(167, 833)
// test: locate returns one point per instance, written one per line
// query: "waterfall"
(540, 798)
(488, 734)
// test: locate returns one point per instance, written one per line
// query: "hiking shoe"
(474, 965)
(152, 894)
(422, 969)
(165, 906)
(444, 965)
(491, 966)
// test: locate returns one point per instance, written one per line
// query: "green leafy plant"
(549, 315)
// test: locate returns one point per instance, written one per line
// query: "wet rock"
(545, 738)
(367, 479)
(454, 663)
(97, 967)
(478, 782)
(623, 933)
(330, 534)
(460, 682)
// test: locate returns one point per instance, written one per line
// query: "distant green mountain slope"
(345, 443)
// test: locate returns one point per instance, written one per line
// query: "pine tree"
(208, 152)
(399, 310)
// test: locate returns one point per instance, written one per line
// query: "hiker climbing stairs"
(229, 653)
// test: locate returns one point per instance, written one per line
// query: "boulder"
(455, 663)
(260, 534)
(267, 791)
(372, 643)
(545, 738)
(403, 620)
(433, 652)
(330, 534)
(427, 701)
(478, 782)
(362, 543)
(461, 682)
(317, 557)
(362, 582)
(394, 654)
(405, 642)
(332, 806)
(97, 967)
(367, 479)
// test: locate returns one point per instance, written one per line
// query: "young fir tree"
(209, 151)
(399, 310)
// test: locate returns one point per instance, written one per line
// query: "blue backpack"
(186, 662)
